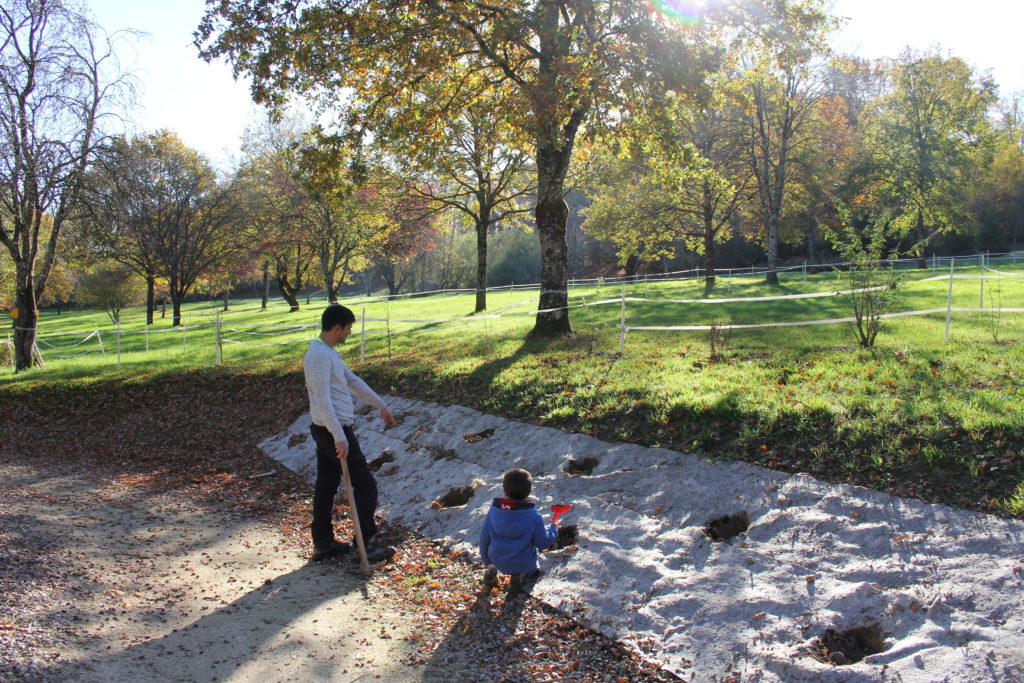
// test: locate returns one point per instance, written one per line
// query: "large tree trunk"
(332, 292)
(266, 285)
(709, 254)
(176, 308)
(25, 325)
(922, 261)
(555, 137)
(772, 277)
(150, 298)
(288, 292)
(483, 221)
(553, 315)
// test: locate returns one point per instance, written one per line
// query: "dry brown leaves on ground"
(194, 434)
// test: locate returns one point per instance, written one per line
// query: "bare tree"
(57, 73)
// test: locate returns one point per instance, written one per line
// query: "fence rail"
(267, 335)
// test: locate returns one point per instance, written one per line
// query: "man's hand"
(389, 419)
(342, 448)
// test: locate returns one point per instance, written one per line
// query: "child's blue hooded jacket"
(513, 532)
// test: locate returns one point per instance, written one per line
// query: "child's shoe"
(521, 582)
(490, 579)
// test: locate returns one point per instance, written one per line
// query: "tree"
(783, 83)
(120, 213)
(478, 174)
(346, 219)
(821, 169)
(57, 76)
(408, 243)
(544, 67)
(311, 203)
(111, 286)
(922, 142)
(683, 179)
(165, 212)
(998, 201)
(275, 204)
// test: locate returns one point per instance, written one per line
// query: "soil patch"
(454, 498)
(473, 437)
(567, 536)
(849, 646)
(728, 526)
(383, 459)
(582, 466)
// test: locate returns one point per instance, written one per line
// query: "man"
(331, 384)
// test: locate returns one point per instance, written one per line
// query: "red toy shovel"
(558, 511)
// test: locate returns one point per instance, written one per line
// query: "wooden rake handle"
(365, 568)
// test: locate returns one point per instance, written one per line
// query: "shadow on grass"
(488, 370)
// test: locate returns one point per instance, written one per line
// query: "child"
(513, 532)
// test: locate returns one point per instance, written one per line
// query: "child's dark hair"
(336, 314)
(517, 484)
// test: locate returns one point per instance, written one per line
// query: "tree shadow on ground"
(269, 633)
(488, 370)
(482, 641)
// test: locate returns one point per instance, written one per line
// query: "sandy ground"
(934, 591)
(146, 586)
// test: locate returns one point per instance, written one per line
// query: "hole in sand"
(454, 498)
(438, 453)
(473, 437)
(385, 458)
(729, 526)
(582, 466)
(567, 536)
(847, 647)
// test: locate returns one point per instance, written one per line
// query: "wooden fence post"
(622, 323)
(949, 297)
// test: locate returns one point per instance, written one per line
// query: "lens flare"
(686, 12)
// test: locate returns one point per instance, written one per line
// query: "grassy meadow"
(916, 415)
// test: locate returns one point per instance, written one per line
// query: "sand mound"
(719, 569)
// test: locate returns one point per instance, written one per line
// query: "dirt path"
(130, 551)
(132, 585)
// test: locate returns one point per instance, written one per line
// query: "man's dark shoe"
(335, 549)
(379, 553)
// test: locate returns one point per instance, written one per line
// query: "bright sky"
(984, 33)
(201, 102)
(209, 110)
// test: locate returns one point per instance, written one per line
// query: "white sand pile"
(939, 589)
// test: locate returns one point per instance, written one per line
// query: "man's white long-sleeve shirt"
(331, 384)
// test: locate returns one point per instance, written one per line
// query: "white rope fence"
(260, 334)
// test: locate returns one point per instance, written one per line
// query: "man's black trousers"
(328, 477)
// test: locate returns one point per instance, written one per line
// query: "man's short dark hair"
(336, 314)
(517, 484)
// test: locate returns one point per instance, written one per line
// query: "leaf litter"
(185, 444)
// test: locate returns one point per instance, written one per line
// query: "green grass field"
(917, 415)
